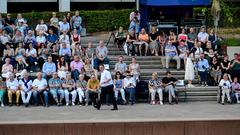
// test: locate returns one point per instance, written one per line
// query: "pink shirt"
(76, 65)
(235, 86)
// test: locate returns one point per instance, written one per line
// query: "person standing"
(202, 67)
(106, 84)
(189, 71)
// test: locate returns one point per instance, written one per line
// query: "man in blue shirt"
(51, 37)
(66, 52)
(202, 67)
(171, 54)
(48, 68)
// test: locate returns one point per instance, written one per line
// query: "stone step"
(199, 98)
(202, 93)
(200, 88)
(137, 57)
(147, 61)
(150, 67)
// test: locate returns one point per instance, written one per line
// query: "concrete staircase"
(149, 64)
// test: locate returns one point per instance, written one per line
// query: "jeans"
(97, 97)
(117, 90)
(203, 76)
(131, 92)
(36, 95)
(26, 96)
(171, 92)
(97, 62)
(75, 73)
(56, 92)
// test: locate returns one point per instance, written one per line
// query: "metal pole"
(137, 5)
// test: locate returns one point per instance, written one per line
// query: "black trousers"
(107, 90)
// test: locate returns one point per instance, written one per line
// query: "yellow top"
(93, 84)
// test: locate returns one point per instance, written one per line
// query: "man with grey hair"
(25, 85)
(40, 88)
(55, 86)
(101, 55)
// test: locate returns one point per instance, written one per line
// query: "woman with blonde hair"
(155, 86)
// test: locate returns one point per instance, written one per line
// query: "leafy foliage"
(95, 21)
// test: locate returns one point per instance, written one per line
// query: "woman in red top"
(75, 37)
(182, 38)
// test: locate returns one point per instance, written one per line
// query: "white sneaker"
(67, 104)
(161, 103)
(153, 103)
(73, 104)
(238, 102)
(2, 105)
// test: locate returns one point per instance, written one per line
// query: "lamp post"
(137, 5)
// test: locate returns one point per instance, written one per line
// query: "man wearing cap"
(55, 86)
(13, 88)
(25, 85)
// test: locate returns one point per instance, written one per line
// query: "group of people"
(66, 68)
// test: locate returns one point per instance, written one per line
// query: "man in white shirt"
(25, 85)
(13, 88)
(106, 84)
(40, 87)
(203, 37)
(129, 86)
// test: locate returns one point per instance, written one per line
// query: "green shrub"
(95, 21)
(230, 42)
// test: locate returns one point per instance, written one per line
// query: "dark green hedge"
(95, 21)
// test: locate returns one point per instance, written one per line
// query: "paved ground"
(139, 112)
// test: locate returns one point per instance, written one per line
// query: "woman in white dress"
(62, 68)
(134, 69)
(189, 71)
